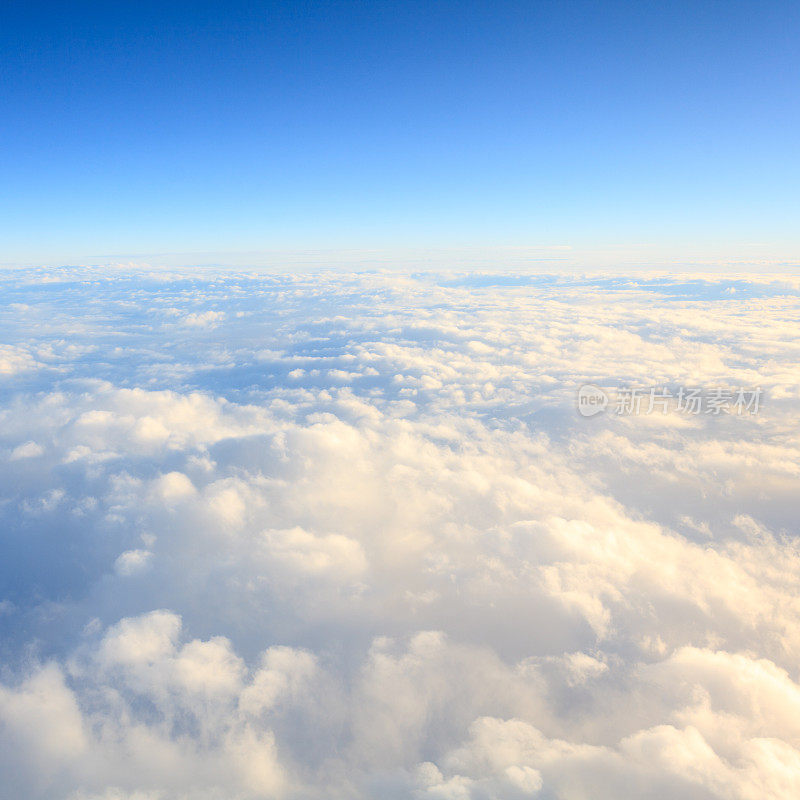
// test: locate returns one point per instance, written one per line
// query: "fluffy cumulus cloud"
(347, 536)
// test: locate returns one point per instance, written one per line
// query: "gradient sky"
(221, 132)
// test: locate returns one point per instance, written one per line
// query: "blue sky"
(212, 132)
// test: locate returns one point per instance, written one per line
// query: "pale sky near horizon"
(497, 135)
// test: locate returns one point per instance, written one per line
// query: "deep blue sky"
(142, 130)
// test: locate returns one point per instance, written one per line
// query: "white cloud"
(132, 561)
(205, 319)
(359, 544)
(26, 450)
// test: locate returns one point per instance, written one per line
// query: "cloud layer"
(346, 536)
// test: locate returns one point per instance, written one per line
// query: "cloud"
(132, 561)
(359, 543)
(14, 360)
(206, 319)
(26, 450)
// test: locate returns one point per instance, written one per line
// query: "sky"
(399, 401)
(347, 133)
